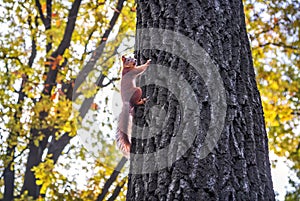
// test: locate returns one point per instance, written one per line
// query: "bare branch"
(13, 58)
(49, 13)
(111, 179)
(280, 44)
(35, 153)
(56, 146)
(110, 81)
(117, 190)
(65, 43)
(39, 7)
(87, 42)
(99, 50)
(33, 43)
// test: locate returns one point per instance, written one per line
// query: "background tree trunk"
(238, 168)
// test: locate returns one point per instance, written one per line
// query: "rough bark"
(238, 168)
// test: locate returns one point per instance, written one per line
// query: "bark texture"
(238, 168)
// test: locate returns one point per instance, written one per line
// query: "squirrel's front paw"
(148, 61)
(144, 100)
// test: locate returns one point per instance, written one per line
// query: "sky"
(280, 176)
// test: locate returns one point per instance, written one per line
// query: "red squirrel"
(131, 96)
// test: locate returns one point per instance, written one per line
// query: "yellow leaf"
(36, 142)
(39, 182)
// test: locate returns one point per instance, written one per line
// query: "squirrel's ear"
(123, 58)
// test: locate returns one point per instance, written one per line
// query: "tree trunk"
(231, 165)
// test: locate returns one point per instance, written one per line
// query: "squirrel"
(131, 96)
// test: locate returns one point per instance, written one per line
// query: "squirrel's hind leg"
(136, 98)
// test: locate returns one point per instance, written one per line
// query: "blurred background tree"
(46, 45)
(274, 32)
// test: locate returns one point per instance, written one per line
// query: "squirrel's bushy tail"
(124, 130)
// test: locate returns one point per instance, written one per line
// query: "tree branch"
(35, 153)
(99, 50)
(280, 44)
(87, 42)
(110, 81)
(98, 83)
(56, 147)
(13, 58)
(33, 44)
(48, 24)
(49, 13)
(111, 179)
(117, 190)
(9, 170)
(39, 7)
(65, 43)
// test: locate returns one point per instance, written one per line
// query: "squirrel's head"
(128, 62)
